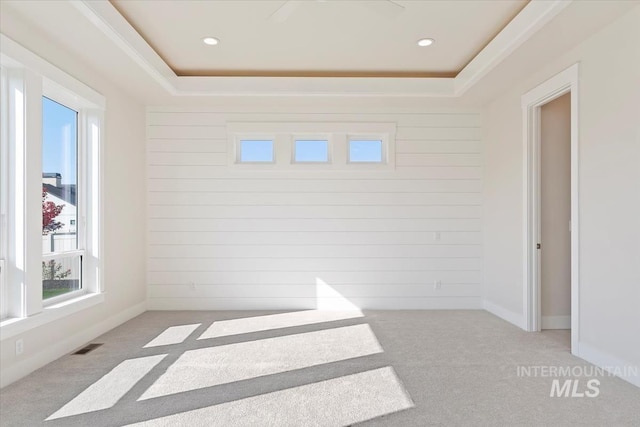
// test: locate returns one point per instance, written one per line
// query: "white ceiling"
(59, 31)
(360, 37)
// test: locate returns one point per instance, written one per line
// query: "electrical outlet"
(437, 285)
(19, 347)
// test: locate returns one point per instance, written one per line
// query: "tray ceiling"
(541, 31)
(339, 38)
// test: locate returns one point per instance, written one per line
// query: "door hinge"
(538, 246)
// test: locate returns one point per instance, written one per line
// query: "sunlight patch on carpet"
(337, 402)
(106, 392)
(275, 321)
(173, 335)
(207, 367)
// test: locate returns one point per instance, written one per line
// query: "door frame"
(532, 101)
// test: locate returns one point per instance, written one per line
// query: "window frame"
(63, 97)
(4, 188)
(30, 77)
(4, 309)
(312, 137)
(369, 137)
(235, 146)
(256, 162)
(284, 135)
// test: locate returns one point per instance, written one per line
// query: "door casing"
(565, 82)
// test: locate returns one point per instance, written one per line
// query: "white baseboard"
(249, 303)
(620, 368)
(49, 354)
(556, 322)
(514, 318)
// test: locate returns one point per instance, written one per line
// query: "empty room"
(319, 213)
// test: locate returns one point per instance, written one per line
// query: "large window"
(61, 245)
(50, 199)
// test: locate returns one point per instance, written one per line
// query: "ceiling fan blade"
(387, 8)
(284, 11)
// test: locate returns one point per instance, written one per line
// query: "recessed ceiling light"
(211, 41)
(425, 42)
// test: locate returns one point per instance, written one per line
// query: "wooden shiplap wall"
(220, 238)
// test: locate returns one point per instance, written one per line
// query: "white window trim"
(18, 325)
(68, 99)
(235, 146)
(284, 135)
(58, 94)
(4, 188)
(3, 293)
(36, 77)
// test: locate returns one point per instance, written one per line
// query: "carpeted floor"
(383, 368)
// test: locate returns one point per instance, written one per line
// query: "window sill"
(11, 327)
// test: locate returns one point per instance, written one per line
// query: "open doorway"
(555, 213)
(551, 228)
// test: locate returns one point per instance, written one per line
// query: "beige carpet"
(310, 368)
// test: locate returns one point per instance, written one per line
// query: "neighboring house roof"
(66, 192)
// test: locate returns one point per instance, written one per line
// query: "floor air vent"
(87, 348)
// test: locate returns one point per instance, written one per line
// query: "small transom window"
(365, 151)
(256, 150)
(311, 151)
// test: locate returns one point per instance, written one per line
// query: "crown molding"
(104, 16)
(522, 27)
(109, 21)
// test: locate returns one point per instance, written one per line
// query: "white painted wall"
(266, 239)
(125, 212)
(609, 193)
